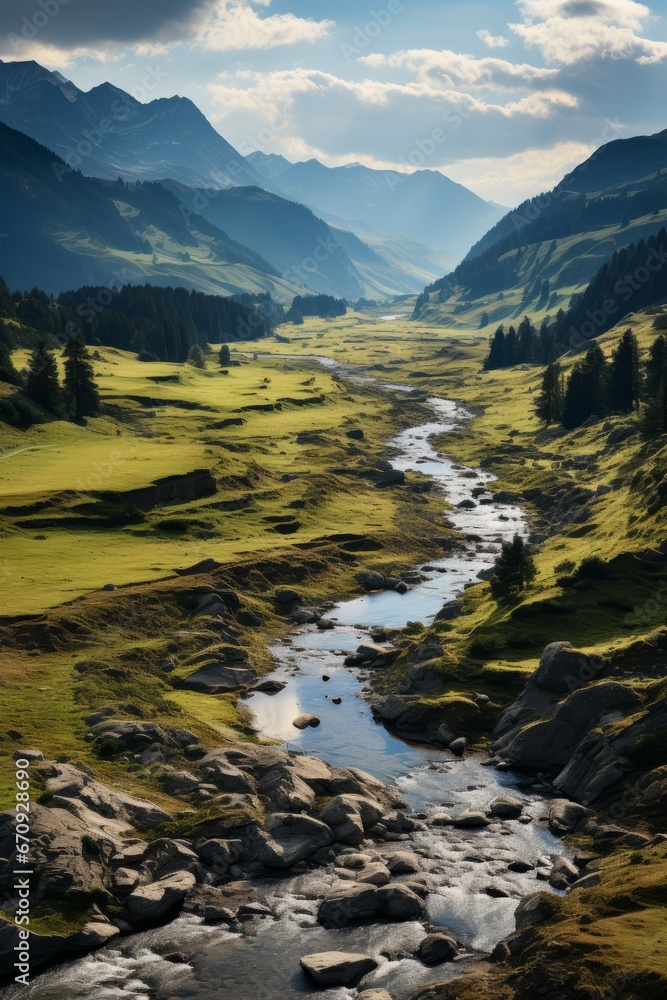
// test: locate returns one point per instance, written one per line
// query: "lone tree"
(42, 384)
(549, 406)
(225, 356)
(80, 383)
(514, 570)
(196, 357)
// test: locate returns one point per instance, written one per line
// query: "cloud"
(438, 67)
(493, 41)
(573, 31)
(236, 25)
(61, 31)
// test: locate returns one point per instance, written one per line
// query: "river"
(262, 961)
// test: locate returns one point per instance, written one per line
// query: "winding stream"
(262, 961)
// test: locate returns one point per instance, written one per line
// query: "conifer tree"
(496, 355)
(225, 356)
(196, 357)
(584, 395)
(80, 383)
(42, 384)
(549, 406)
(623, 386)
(8, 372)
(514, 570)
(655, 366)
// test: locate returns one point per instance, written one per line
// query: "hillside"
(163, 138)
(616, 197)
(425, 206)
(65, 230)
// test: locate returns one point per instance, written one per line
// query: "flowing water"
(262, 961)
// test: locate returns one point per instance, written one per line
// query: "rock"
(326, 624)
(287, 839)
(374, 873)
(29, 755)
(373, 995)
(356, 434)
(205, 566)
(373, 652)
(225, 775)
(392, 477)
(402, 862)
(180, 783)
(422, 676)
(566, 868)
(93, 935)
(214, 677)
(534, 909)
(347, 905)
(306, 720)
(429, 651)
(285, 595)
(496, 892)
(210, 904)
(149, 902)
(349, 816)
(587, 882)
(452, 609)
(444, 736)
(562, 668)
(301, 616)
(506, 807)
(337, 968)
(520, 866)
(219, 854)
(400, 902)
(467, 505)
(458, 746)
(370, 580)
(470, 818)
(436, 949)
(269, 686)
(336, 701)
(565, 816)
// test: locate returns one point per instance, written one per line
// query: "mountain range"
(408, 228)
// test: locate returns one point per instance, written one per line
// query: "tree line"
(324, 306)
(597, 387)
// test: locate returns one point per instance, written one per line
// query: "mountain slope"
(296, 243)
(64, 230)
(107, 133)
(551, 247)
(424, 206)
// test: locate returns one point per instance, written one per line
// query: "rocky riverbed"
(421, 858)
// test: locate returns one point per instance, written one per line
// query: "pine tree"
(225, 356)
(8, 372)
(623, 385)
(549, 406)
(511, 347)
(484, 321)
(584, 395)
(42, 384)
(196, 357)
(496, 355)
(514, 570)
(80, 380)
(655, 367)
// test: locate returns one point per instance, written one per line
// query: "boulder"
(400, 902)
(305, 721)
(520, 866)
(286, 840)
(149, 902)
(180, 783)
(375, 873)
(218, 769)
(458, 746)
(215, 677)
(349, 904)
(349, 816)
(562, 668)
(402, 862)
(209, 903)
(470, 818)
(466, 505)
(373, 995)
(436, 949)
(373, 652)
(565, 816)
(337, 968)
(422, 676)
(370, 580)
(534, 909)
(506, 807)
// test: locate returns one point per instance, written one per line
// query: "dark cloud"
(68, 24)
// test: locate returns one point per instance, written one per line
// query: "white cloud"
(493, 41)
(573, 31)
(235, 25)
(433, 66)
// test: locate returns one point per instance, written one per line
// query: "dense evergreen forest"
(161, 324)
(324, 306)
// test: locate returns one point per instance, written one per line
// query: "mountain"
(64, 230)
(425, 206)
(107, 133)
(294, 241)
(549, 248)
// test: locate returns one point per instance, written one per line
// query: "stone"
(225, 775)
(180, 783)
(458, 746)
(506, 807)
(149, 902)
(370, 580)
(29, 755)
(496, 892)
(520, 866)
(374, 873)
(467, 505)
(534, 909)
(373, 651)
(565, 816)
(337, 968)
(429, 651)
(402, 862)
(349, 816)
(373, 995)
(302, 616)
(285, 595)
(287, 839)
(305, 721)
(349, 904)
(561, 667)
(400, 902)
(444, 736)
(436, 949)
(209, 903)
(214, 677)
(421, 677)
(269, 686)
(470, 818)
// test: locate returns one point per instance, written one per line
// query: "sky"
(503, 96)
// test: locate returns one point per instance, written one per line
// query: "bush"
(483, 647)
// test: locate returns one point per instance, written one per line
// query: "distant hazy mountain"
(295, 241)
(165, 138)
(424, 206)
(62, 230)
(551, 246)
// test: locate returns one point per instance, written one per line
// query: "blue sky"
(504, 97)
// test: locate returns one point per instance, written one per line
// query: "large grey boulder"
(506, 807)
(214, 677)
(305, 721)
(218, 769)
(534, 909)
(149, 902)
(349, 816)
(400, 902)
(563, 668)
(337, 968)
(286, 840)
(349, 904)
(566, 816)
(422, 676)
(436, 949)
